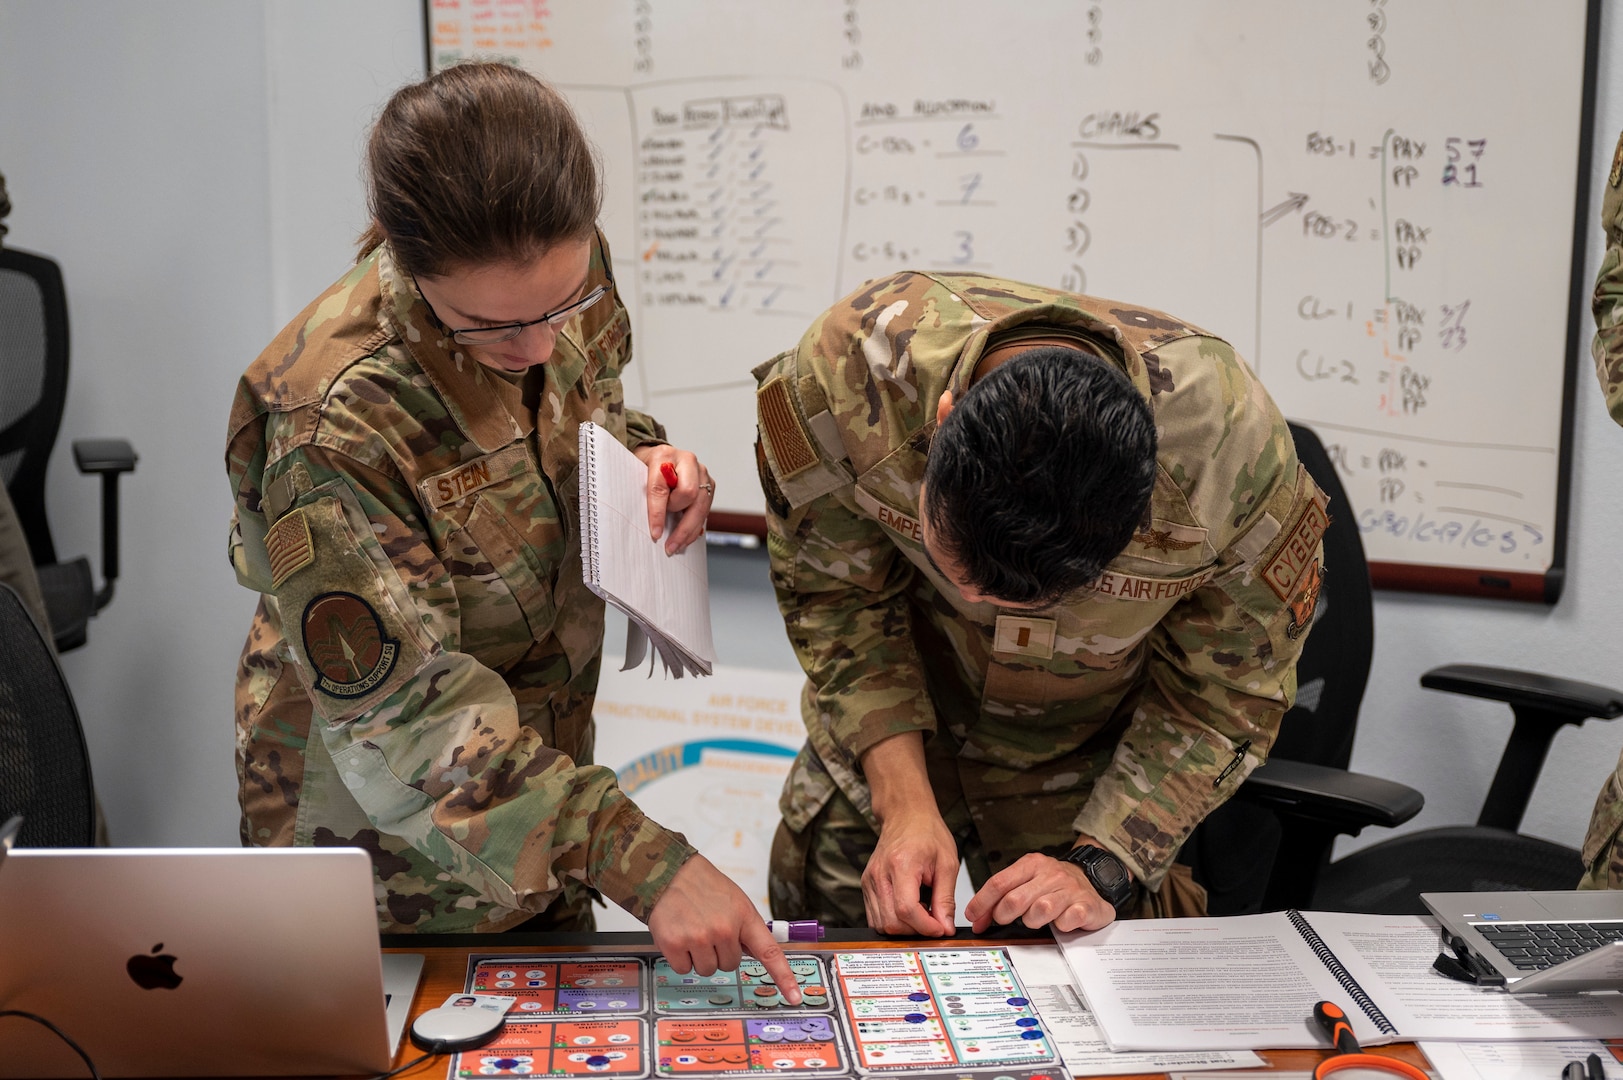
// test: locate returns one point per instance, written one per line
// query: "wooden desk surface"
(446, 968)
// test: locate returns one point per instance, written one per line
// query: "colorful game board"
(908, 1011)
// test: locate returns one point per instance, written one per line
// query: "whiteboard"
(1373, 200)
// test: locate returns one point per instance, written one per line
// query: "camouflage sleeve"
(841, 586)
(643, 430)
(427, 739)
(1608, 300)
(1221, 673)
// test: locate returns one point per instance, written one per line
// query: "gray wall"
(194, 166)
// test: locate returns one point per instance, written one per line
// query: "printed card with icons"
(750, 989)
(615, 1048)
(931, 1009)
(564, 986)
(862, 1012)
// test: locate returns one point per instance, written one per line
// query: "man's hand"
(691, 494)
(705, 923)
(1040, 891)
(914, 849)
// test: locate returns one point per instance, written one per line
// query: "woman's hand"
(690, 495)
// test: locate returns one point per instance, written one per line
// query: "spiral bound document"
(1250, 981)
(665, 598)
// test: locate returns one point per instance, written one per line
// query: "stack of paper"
(666, 598)
(1250, 981)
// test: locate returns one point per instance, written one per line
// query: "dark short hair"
(1041, 474)
(477, 164)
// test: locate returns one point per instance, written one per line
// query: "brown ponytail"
(479, 163)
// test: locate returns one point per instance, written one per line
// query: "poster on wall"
(706, 757)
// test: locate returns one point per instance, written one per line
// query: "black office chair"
(44, 764)
(1269, 847)
(1265, 848)
(33, 389)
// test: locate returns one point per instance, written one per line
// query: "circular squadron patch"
(343, 637)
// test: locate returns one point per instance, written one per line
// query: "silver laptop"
(188, 962)
(1540, 942)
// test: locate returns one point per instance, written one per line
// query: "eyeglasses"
(495, 335)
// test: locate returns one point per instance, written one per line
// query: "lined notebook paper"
(665, 598)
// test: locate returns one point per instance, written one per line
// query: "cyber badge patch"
(1306, 601)
(343, 637)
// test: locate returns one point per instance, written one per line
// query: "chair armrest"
(110, 458)
(1344, 801)
(104, 455)
(1573, 700)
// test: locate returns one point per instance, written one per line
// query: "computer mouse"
(448, 1029)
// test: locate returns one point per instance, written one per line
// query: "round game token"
(1026, 1021)
(815, 991)
(764, 978)
(683, 1036)
(715, 1035)
(766, 991)
(597, 1059)
(735, 1058)
(770, 1036)
(1017, 1001)
(721, 999)
(813, 999)
(918, 995)
(915, 1018)
(710, 1059)
(1031, 1033)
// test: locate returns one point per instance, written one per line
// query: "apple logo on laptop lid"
(154, 970)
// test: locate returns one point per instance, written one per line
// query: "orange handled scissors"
(1335, 1024)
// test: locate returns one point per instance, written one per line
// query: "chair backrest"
(33, 384)
(1334, 666)
(1233, 852)
(44, 764)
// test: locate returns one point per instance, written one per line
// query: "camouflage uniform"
(1602, 851)
(419, 677)
(1128, 712)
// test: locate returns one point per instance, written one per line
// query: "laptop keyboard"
(1536, 946)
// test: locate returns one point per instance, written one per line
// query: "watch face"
(1109, 871)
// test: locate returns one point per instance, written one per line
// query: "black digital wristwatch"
(1105, 873)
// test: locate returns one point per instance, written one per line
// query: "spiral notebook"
(1249, 982)
(665, 598)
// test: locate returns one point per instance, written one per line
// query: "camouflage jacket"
(419, 677)
(1608, 300)
(1127, 713)
(1603, 842)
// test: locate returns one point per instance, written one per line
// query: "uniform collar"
(1050, 319)
(486, 407)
